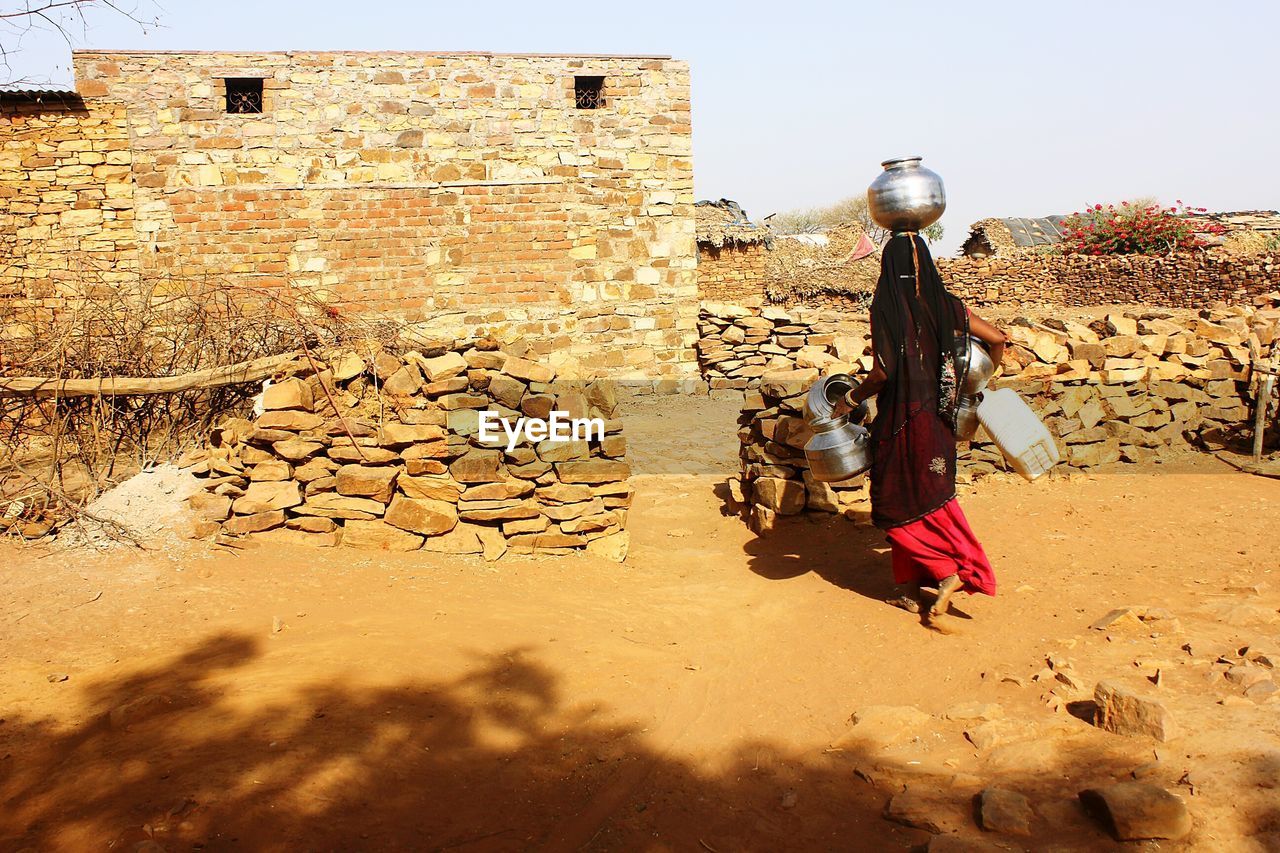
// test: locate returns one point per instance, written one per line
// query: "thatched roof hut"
(724, 222)
(846, 263)
(1011, 236)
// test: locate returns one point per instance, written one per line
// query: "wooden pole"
(121, 386)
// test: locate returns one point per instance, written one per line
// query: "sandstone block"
(275, 469)
(477, 466)
(1122, 711)
(404, 382)
(1135, 811)
(366, 481)
(378, 535)
(446, 366)
(346, 453)
(239, 525)
(296, 449)
(290, 419)
(785, 497)
(396, 434)
(421, 515)
(529, 371)
(502, 511)
(264, 496)
(438, 488)
(333, 505)
(210, 507)
(288, 394)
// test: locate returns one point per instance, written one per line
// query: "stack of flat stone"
(384, 451)
(1135, 387)
(738, 344)
(775, 476)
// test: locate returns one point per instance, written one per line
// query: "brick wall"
(455, 190)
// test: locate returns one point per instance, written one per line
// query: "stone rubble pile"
(1132, 387)
(738, 344)
(384, 452)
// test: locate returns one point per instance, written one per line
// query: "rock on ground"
(1134, 811)
(1124, 712)
(1004, 811)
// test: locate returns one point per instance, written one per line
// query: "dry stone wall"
(386, 452)
(1185, 280)
(1133, 387)
(740, 343)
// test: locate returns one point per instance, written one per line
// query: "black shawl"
(915, 326)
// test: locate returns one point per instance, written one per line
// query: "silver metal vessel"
(906, 196)
(980, 369)
(838, 449)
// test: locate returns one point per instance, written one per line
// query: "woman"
(915, 326)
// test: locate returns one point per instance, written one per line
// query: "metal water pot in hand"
(906, 196)
(978, 370)
(838, 449)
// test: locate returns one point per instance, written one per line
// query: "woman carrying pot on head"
(915, 328)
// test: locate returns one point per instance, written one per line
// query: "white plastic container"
(1019, 434)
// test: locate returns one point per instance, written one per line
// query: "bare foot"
(943, 624)
(905, 602)
(947, 587)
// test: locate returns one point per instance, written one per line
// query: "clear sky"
(1025, 109)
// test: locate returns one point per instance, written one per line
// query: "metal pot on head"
(906, 196)
(838, 449)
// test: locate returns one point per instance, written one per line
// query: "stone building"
(518, 196)
(733, 251)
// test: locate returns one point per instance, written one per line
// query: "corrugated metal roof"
(1039, 231)
(65, 98)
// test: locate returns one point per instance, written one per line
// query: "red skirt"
(938, 546)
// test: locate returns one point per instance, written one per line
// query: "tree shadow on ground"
(185, 757)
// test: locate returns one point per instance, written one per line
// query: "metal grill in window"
(588, 92)
(244, 94)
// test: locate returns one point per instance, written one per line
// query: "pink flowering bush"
(1135, 229)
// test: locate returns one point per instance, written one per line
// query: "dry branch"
(120, 386)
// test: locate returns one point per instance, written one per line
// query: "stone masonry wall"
(739, 343)
(384, 451)
(462, 191)
(1135, 387)
(731, 272)
(1184, 280)
(66, 199)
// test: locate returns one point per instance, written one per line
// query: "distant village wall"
(464, 192)
(733, 271)
(1184, 280)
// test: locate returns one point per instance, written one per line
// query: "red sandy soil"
(274, 699)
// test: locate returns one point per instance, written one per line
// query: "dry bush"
(56, 454)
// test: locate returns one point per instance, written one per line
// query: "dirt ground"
(697, 697)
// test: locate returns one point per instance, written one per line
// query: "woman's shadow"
(848, 553)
